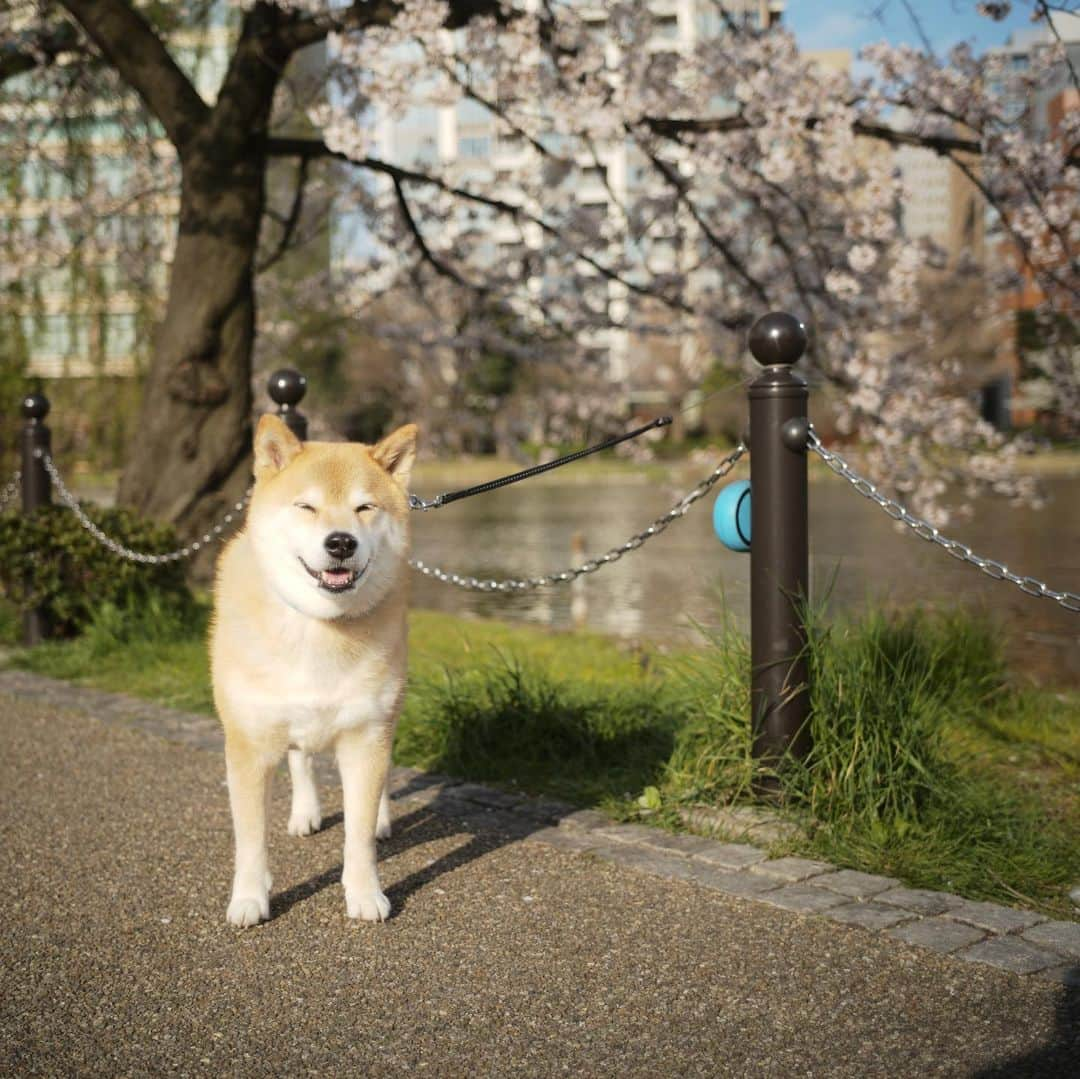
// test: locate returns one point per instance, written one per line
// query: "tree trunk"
(190, 461)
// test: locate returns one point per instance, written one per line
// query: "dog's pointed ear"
(397, 452)
(275, 446)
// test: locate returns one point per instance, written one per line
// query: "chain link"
(11, 489)
(475, 584)
(117, 548)
(924, 530)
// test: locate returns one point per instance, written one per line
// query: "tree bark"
(190, 460)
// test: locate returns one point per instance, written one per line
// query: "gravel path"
(505, 956)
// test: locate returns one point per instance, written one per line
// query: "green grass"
(931, 762)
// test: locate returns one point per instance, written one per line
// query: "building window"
(666, 27)
(119, 335)
(474, 147)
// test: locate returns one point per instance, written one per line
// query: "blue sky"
(850, 24)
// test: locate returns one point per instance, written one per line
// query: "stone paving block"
(546, 810)
(655, 863)
(1010, 953)
(791, 869)
(1069, 975)
(564, 839)
(1061, 937)
(856, 885)
(425, 797)
(869, 915)
(743, 823)
(802, 898)
(485, 796)
(478, 819)
(686, 845)
(584, 820)
(938, 934)
(996, 918)
(732, 882)
(919, 900)
(731, 855)
(402, 776)
(627, 833)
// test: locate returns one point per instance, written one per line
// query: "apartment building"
(90, 303)
(466, 136)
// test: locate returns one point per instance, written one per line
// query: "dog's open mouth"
(338, 579)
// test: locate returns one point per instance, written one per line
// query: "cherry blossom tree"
(762, 181)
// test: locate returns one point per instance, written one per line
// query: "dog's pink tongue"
(336, 576)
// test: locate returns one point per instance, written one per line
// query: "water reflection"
(680, 578)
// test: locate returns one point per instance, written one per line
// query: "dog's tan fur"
(299, 668)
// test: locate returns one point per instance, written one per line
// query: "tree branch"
(286, 147)
(130, 44)
(675, 180)
(290, 223)
(943, 145)
(425, 251)
(37, 49)
(365, 13)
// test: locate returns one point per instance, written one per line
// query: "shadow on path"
(442, 817)
(1060, 1057)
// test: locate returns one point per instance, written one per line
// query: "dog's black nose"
(340, 544)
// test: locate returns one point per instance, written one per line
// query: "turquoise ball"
(731, 516)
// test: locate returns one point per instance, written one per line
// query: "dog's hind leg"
(364, 760)
(248, 774)
(305, 816)
(382, 827)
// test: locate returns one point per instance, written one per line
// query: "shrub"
(49, 561)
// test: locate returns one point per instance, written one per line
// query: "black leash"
(417, 503)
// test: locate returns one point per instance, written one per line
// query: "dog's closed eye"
(367, 507)
(304, 506)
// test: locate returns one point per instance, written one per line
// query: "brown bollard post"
(36, 488)
(286, 388)
(779, 557)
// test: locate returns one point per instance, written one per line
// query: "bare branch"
(944, 145)
(38, 49)
(286, 147)
(364, 13)
(426, 253)
(671, 175)
(130, 44)
(1044, 9)
(289, 224)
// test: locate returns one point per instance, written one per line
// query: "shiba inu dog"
(308, 647)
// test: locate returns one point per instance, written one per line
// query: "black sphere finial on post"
(777, 338)
(286, 388)
(779, 553)
(36, 440)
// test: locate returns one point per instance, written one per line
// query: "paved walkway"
(508, 953)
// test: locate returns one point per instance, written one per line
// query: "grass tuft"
(511, 721)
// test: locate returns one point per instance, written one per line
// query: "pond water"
(683, 576)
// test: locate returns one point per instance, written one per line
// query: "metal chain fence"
(593, 564)
(924, 530)
(187, 551)
(474, 583)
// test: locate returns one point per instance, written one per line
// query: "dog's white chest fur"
(309, 695)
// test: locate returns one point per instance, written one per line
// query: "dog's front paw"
(247, 910)
(382, 829)
(368, 906)
(305, 821)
